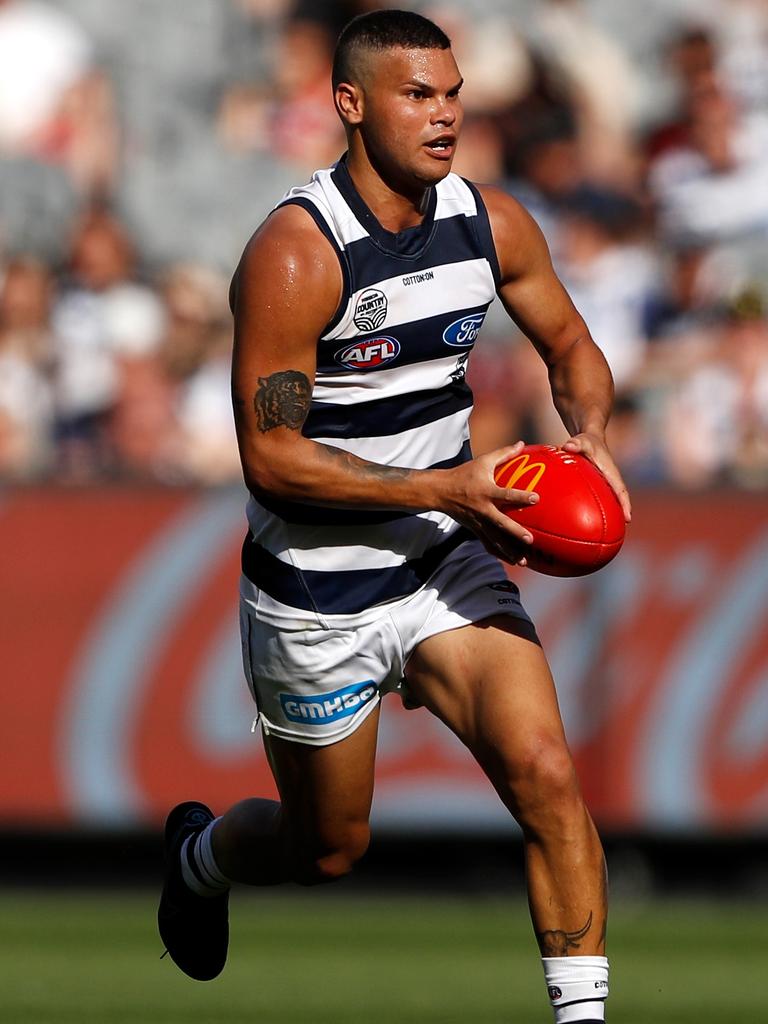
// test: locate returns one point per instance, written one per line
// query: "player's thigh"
(491, 684)
(326, 791)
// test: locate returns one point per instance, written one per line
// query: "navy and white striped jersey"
(390, 387)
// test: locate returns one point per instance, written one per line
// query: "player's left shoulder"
(516, 235)
(503, 209)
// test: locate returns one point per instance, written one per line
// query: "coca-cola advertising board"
(123, 690)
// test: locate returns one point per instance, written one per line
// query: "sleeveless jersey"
(390, 387)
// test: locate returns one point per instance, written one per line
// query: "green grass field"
(323, 959)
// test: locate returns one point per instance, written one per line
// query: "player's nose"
(443, 112)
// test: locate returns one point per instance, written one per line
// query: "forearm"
(582, 387)
(299, 469)
(280, 462)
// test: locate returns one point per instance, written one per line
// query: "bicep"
(543, 310)
(530, 290)
(286, 291)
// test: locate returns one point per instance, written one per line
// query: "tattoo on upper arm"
(557, 943)
(282, 400)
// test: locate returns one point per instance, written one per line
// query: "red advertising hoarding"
(123, 689)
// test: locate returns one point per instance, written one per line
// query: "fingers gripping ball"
(577, 524)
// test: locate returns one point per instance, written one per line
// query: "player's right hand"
(471, 496)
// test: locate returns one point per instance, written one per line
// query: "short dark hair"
(384, 30)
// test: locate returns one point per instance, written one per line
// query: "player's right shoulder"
(289, 251)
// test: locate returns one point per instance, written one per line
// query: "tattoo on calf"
(557, 943)
(282, 400)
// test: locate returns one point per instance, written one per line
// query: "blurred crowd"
(141, 143)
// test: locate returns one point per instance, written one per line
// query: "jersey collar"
(408, 243)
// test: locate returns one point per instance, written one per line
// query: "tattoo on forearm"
(360, 467)
(557, 943)
(282, 400)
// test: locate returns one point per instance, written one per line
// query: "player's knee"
(544, 787)
(336, 859)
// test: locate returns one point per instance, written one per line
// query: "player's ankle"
(577, 987)
(199, 869)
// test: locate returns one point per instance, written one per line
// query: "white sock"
(198, 865)
(577, 987)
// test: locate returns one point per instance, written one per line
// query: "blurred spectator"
(695, 282)
(102, 315)
(142, 422)
(243, 118)
(610, 274)
(126, 378)
(480, 153)
(43, 53)
(600, 78)
(544, 111)
(494, 59)
(634, 444)
(304, 125)
(716, 422)
(54, 104)
(692, 57)
(26, 398)
(207, 449)
(252, 30)
(195, 355)
(711, 188)
(743, 57)
(548, 172)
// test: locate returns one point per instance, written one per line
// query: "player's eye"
(416, 94)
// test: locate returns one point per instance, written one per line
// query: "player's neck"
(395, 206)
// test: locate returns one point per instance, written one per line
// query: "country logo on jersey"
(371, 310)
(370, 354)
(463, 332)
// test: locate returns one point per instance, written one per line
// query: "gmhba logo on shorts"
(328, 707)
(462, 333)
(369, 354)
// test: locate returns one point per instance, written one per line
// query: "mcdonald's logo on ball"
(577, 524)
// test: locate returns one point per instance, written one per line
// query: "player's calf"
(316, 862)
(566, 878)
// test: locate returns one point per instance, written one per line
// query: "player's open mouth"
(442, 147)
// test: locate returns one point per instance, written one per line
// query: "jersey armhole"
(483, 233)
(346, 289)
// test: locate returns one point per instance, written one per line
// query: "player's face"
(412, 114)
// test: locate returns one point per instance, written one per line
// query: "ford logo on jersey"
(370, 354)
(328, 707)
(463, 332)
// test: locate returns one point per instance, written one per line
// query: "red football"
(577, 523)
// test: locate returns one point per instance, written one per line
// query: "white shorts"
(316, 681)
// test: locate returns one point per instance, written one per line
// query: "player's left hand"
(596, 450)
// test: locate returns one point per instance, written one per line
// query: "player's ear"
(349, 102)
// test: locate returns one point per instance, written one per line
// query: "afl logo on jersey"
(370, 354)
(371, 310)
(462, 333)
